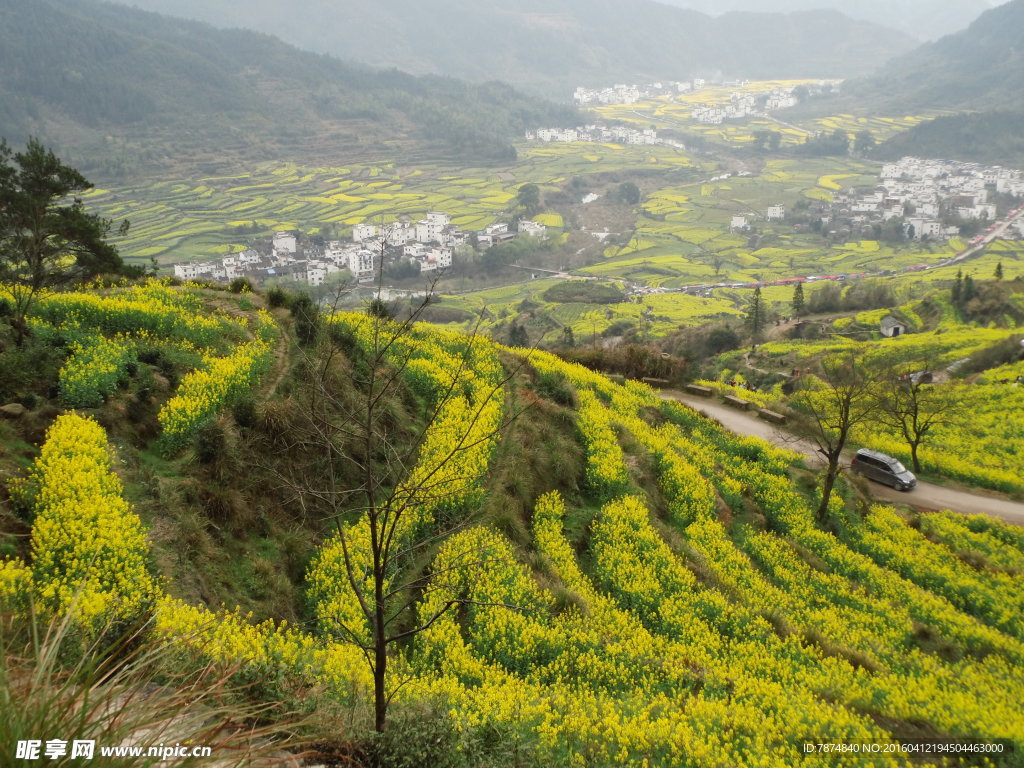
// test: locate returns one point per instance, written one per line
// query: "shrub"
(240, 285)
(583, 291)
(307, 319)
(277, 297)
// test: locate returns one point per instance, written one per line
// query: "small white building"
(193, 270)
(533, 229)
(316, 274)
(739, 222)
(892, 327)
(776, 213)
(361, 232)
(436, 258)
(285, 242)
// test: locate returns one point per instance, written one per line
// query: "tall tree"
(907, 402)
(756, 316)
(395, 485)
(830, 410)
(47, 239)
(999, 271)
(968, 291)
(799, 305)
(958, 287)
(528, 197)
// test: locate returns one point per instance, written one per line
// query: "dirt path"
(282, 360)
(925, 495)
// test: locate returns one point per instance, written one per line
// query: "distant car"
(883, 469)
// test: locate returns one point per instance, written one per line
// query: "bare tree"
(830, 412)
(907, 401)
(391, 492)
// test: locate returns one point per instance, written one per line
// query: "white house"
(436, 258)
(923, 227)
(316, 274)
(739, 222)
(360, 264)
(193, 270)
(285, 242)
(361, 232)
(776, 213)
(533, 229)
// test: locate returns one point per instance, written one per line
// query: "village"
(426, 245)
(923, 200)
(743, 103)
(599, 133)
(932, 198)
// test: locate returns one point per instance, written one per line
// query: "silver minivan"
(882, 468)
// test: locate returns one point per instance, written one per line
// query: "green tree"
(968, 291)
(628, 193)
(568, 337)
(528, 197)
(799, 305)
(756, 316)
(517, 336)
(863, 142)
(47, 239)
(999, 271)
(958, 287)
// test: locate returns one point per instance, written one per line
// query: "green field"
(683, 237)
(179, 220)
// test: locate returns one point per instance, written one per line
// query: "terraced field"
(683, 233)
(179, 220)
(663, 594)
(656, 314)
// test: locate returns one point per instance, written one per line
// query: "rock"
(13, 411)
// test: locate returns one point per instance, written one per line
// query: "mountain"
(981, 67)
(550, 46)
(116, 88)
(979, 70)
(983, 137)
(923, 19)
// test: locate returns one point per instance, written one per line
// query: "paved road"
(924, 496)
(999, 231)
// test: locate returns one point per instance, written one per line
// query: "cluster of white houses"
(631, 94)
(924, 192)
(603, 134)
(743, 104)
(428, 244)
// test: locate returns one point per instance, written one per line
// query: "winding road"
(925, 496)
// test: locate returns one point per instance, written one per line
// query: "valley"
(652, 396)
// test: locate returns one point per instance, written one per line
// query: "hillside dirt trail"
(926, 496)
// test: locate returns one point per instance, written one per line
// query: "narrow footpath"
(925, 496)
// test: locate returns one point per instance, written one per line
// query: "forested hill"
(979, 71)
(115, 88)
(550, 46)
(981, 67)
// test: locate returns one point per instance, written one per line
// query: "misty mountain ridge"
(125, 88)
(979, 70)
(551, 46)
(921, 19)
